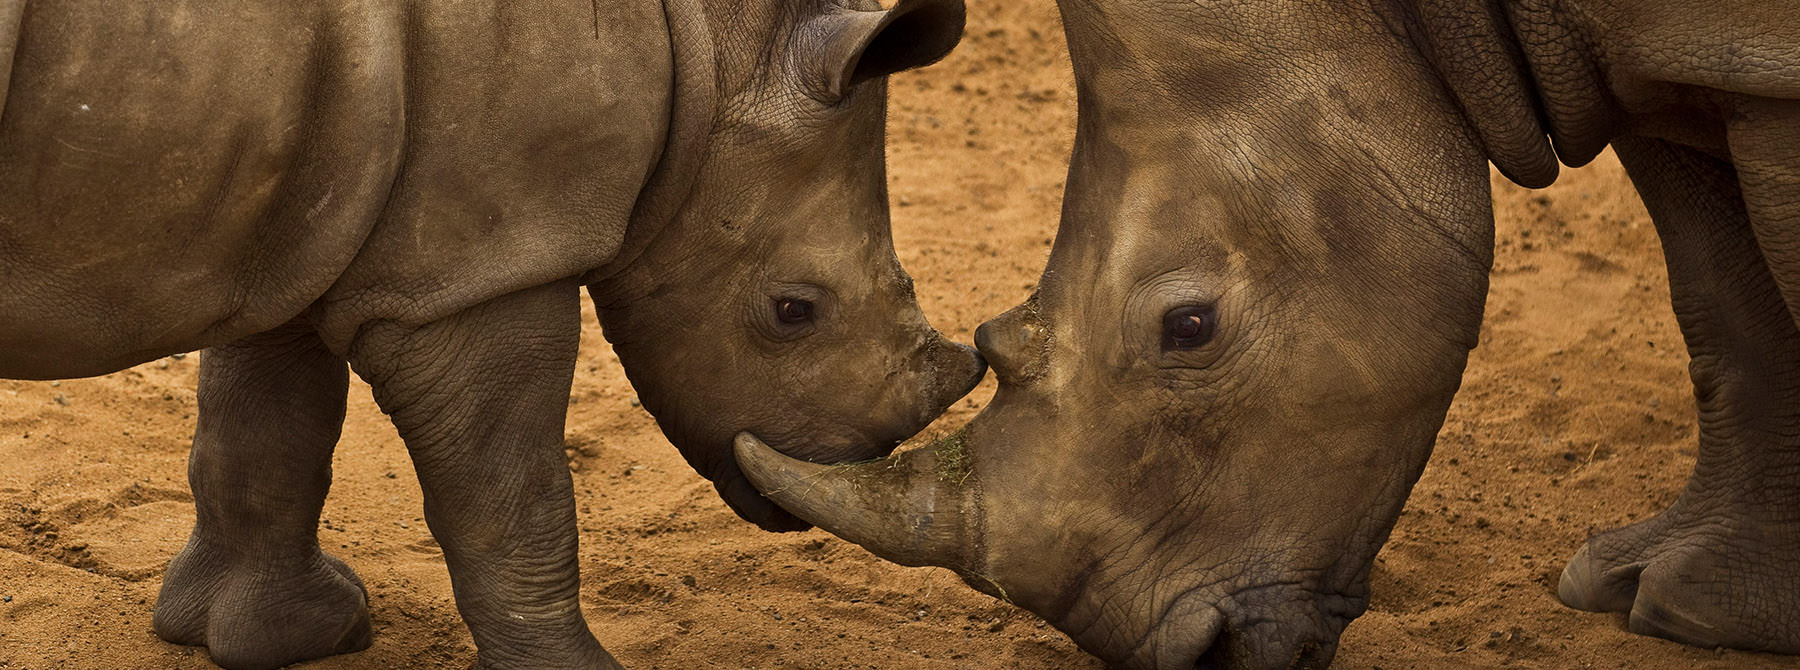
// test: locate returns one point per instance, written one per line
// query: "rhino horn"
(911, 508)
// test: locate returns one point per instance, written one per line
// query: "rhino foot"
(255, 614)
(1708, 575)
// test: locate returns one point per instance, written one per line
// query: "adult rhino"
(1270, 270)
(420, 189)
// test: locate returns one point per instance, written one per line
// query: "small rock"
(60, 400)
(5, 599)
(178, 356)
(635, 402)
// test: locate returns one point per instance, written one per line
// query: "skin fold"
(1271, 266)
(418, 192)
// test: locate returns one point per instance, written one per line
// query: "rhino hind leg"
(1716, 568)
(251, 584)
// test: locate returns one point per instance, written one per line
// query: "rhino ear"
(845, 47)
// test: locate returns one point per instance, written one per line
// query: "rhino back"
(179, 174)
(1749, 47)
(1655, 68)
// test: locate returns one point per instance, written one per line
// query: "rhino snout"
(960, 368)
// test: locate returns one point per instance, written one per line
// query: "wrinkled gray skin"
(1312, 175)
(418, 191)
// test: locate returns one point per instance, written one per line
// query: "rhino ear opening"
(845, 47)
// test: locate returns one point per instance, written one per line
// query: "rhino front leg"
(1716, 568)
(480, 399)
(252, 584)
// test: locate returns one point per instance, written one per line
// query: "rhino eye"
(793, 310)
(1188, 326)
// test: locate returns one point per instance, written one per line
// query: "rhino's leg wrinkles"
(480, 398)
(1716, 568)
(252, 584)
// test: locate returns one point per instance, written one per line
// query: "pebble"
(5, 599)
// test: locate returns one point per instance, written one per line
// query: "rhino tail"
(12, 16)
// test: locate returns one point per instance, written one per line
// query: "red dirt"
(1576, 415)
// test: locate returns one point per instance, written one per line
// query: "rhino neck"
(722, 50)
(1524, 76)
(693, 102)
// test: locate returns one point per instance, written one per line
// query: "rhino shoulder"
(529, 140)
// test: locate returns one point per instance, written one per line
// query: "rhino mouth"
(844, 445)
(1270, 627)
(1185, 636)
(1234, 649)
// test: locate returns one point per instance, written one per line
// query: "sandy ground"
(1576, 415)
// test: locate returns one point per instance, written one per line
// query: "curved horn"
(911, 508)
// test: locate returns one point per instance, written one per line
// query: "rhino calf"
(417, 191)
(1271, 266)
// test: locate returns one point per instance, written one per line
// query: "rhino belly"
(179, 174)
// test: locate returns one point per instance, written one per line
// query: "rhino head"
(767, 296)
(1259, 304)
